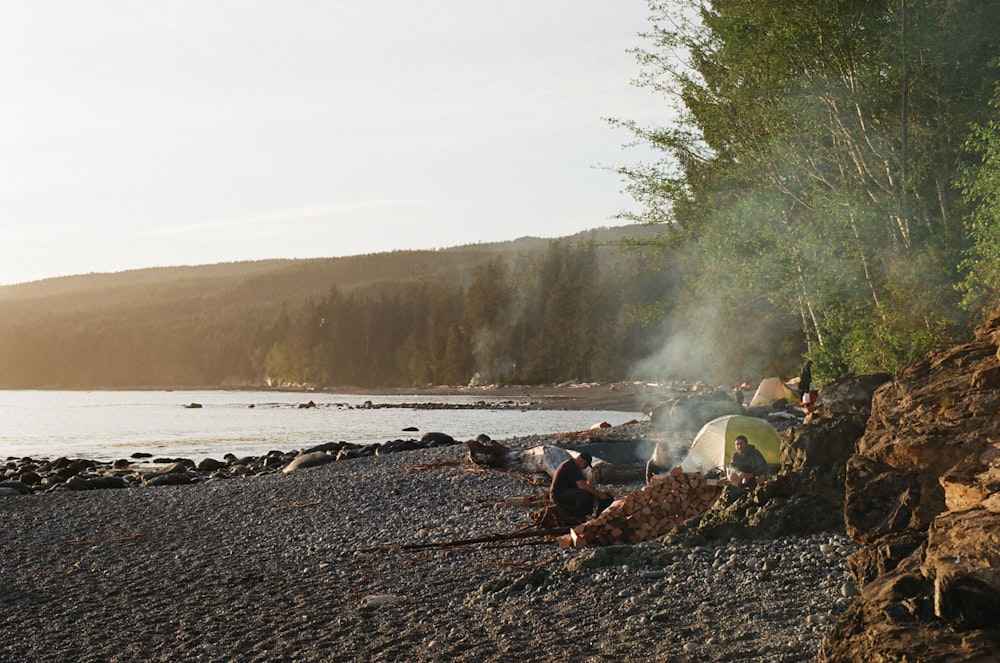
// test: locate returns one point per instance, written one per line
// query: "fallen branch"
(435, 465)
(93, 542)
(493, 538)
(458, 466)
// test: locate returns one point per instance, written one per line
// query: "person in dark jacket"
(571, 490)
(806, 378)
(748, 466)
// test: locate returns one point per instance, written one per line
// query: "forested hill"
(528, 310)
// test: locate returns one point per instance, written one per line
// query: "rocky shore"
(367, 560)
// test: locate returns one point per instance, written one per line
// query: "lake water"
(107, 425)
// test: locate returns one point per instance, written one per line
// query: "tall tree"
(815, 161)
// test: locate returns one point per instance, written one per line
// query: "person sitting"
(571, 490)
(659, 462)
(748, 466)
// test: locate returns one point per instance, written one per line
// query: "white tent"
(771, 390)
(713, 446)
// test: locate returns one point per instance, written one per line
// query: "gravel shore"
(307, 567)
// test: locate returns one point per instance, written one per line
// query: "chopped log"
(651, 511)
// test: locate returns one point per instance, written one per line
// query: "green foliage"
(981, 283)
(815, 165)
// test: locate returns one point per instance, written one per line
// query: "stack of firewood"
(649, 512)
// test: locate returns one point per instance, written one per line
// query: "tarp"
(713, 445)
(624, 452)
(771, 390)
(546, 458)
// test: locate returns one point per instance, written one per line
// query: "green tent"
(713, 445)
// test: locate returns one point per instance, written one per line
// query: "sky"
(144, 133)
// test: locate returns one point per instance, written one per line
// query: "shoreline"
(613, 396)
(295, 567)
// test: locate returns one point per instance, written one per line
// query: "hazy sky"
(168, 132)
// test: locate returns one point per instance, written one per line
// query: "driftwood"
(493, 538)
(554, 516)
(94, 542)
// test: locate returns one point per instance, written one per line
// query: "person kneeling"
(571, 490)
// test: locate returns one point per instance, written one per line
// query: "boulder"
(309, 460)
(437, 439)
(210, 465)
(177, 467)
(853, 395)
(161, 479)
(101, 482)
(22, 488)
(923, 500)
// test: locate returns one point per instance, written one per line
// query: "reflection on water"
(106, 425)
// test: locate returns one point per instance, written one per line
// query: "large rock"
(923, 499)
(312, 459)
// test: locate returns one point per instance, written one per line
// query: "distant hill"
(269, 281)
(201, 325)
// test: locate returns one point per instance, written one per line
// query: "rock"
(172, 479)
(326, 446)
(77, 483)
(852, 396)
(210, 465)
(348, 453)
(22, 488)
(309, 460)
(436, 439)
(389, 447)
(103, 482)
(179, 466)
(30, 477)
(485, 451)
(923, 498)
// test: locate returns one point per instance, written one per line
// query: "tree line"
(569, 309)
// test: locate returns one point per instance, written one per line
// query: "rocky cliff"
(923, 500)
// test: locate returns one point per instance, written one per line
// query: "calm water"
(106, 425)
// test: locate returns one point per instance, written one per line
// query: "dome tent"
(771, 390)
(713, 445)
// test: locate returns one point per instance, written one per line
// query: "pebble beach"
(369, 560)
